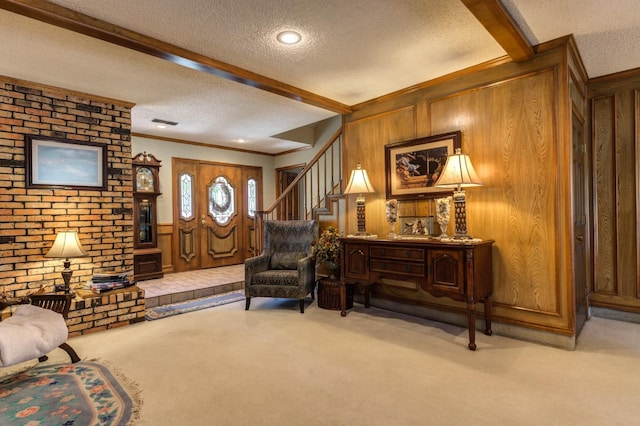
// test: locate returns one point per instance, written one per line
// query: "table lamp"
(66, 246)
(359, 183)
(459, 173)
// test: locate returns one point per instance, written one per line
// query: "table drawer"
(398, 268)
(397, 253)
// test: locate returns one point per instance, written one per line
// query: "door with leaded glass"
(214, 209)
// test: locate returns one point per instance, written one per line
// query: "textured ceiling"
(352, 51)
(607, 32)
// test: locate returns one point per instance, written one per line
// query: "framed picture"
(62, 163)
(415, 226)
(413, 167)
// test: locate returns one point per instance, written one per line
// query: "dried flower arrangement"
(327, 248)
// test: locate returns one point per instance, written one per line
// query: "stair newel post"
(258, 223)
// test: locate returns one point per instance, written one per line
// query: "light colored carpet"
(272, 365)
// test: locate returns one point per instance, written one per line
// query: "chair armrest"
(60, 303)
(307, 269)
(307, 262)
(253, 265)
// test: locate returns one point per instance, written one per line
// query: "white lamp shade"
(458, 172)
(66, 246)
(359, 182)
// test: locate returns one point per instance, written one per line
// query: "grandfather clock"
(147, 257)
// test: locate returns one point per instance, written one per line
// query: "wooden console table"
(460, 270)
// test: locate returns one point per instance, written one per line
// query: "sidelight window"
(252, 198)
(186, 196)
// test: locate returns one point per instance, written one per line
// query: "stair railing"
(318, 182)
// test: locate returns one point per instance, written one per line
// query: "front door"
(221, 218)
(214, 208)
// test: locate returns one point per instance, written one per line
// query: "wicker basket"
(329, 294)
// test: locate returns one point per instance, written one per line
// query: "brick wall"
(30, 218)
(110, 310)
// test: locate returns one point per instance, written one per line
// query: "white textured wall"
(323, 130)
(164, 151)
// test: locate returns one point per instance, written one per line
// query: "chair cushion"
(277, 277)
(286, 260)
(30, 333)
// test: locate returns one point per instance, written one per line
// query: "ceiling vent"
(168, 123)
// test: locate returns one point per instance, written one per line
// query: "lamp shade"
(359, 182)
(458, 172)
(66, 246)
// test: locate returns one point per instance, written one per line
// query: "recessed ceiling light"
(161, 126)
(241, 140)
(289, 37)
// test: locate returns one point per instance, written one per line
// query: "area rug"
(164, 311)
(84, 393)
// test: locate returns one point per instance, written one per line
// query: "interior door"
(581, 284)
(291, 207)
(214, 210)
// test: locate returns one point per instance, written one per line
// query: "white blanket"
(30, 333)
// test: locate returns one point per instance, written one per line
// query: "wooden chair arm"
(60, 303)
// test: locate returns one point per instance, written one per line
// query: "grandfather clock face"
(144, 180)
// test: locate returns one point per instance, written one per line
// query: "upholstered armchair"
(286, 268)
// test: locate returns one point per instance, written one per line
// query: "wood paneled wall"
(509, 131)
(615, 132)
(515, 123)
(165, 244)
(392, 126)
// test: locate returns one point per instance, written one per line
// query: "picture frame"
(62, 163)
(413, 167)
(415, 226)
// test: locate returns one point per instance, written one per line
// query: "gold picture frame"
(413, 167)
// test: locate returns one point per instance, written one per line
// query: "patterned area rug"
(84, 393)
(193, 305)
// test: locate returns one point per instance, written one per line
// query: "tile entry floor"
(181, 286)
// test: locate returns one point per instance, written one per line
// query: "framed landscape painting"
(62, 163)
(413, 167)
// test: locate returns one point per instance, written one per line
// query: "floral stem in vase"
(392, 230)
(443, 211)
(391, 210)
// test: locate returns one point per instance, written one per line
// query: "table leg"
(367, 296)
(471, 315)
(487, 316)
(343, 299)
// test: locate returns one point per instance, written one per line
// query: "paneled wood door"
(291, 208)
(213, 211)
(580, 200)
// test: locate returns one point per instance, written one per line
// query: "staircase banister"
(309, 165)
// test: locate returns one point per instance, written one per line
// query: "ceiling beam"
(495, 18)
(74, 21)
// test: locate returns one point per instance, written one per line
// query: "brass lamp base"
(66, 276)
